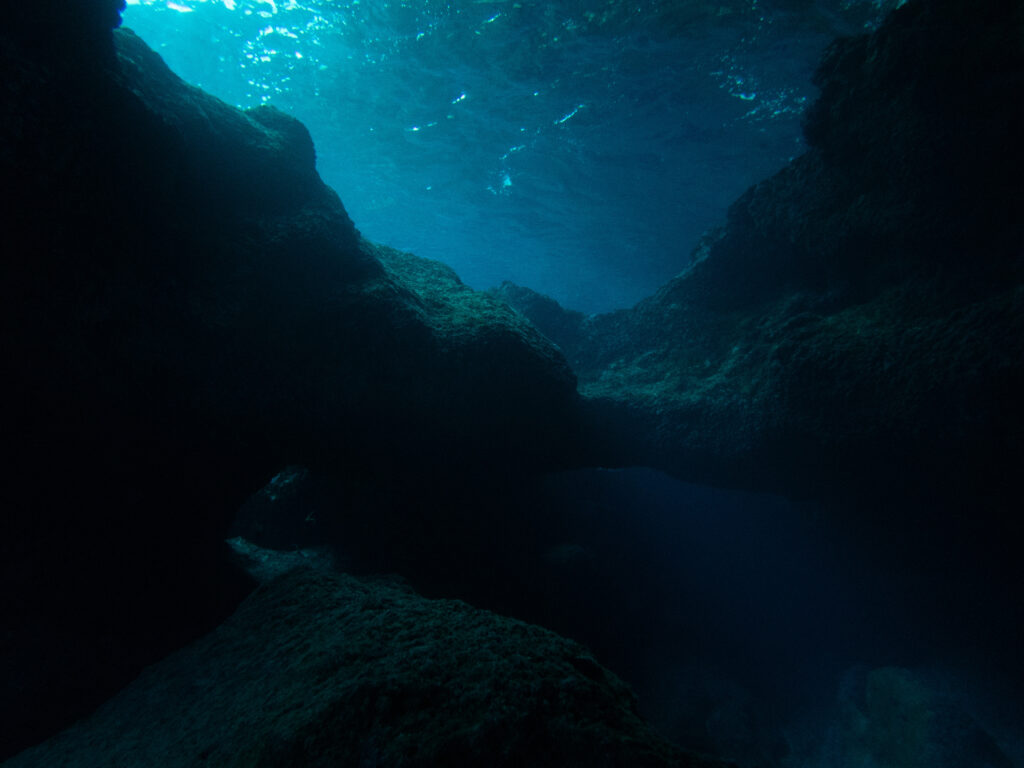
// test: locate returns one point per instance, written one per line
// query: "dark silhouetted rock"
(320, 669)
(187, 309)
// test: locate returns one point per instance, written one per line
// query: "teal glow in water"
(579, 148)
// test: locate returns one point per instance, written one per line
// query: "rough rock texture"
(319, 669)
(857, 326)
(909, 719)
(186, 310)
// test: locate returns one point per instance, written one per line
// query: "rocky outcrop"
(188, 309)
(857, 326)
(317, 668)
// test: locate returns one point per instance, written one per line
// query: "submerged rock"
(187, 310)
(317, 668)
(857, 326)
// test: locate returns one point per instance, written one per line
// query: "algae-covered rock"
(188, 309)
(320, 669)
(857, 325)
(562, 326)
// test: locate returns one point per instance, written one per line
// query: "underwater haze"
(576, 148)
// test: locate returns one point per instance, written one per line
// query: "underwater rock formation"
(857, 326)
(902, 718)
(188, 309)
(318, 668)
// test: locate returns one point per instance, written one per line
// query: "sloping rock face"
(320, 669)
(187, 309)
(857, 326)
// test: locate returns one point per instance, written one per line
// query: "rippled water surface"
(577, 147)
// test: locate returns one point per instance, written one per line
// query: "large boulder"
(187, 309)
(320, 669)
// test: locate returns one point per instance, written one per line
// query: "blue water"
(578, 148)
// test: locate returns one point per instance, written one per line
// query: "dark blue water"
(774, 632)
(578, 148)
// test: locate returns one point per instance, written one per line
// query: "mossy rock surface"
(856, 327)
(321, 669)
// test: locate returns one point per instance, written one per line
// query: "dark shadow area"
(738, 618)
